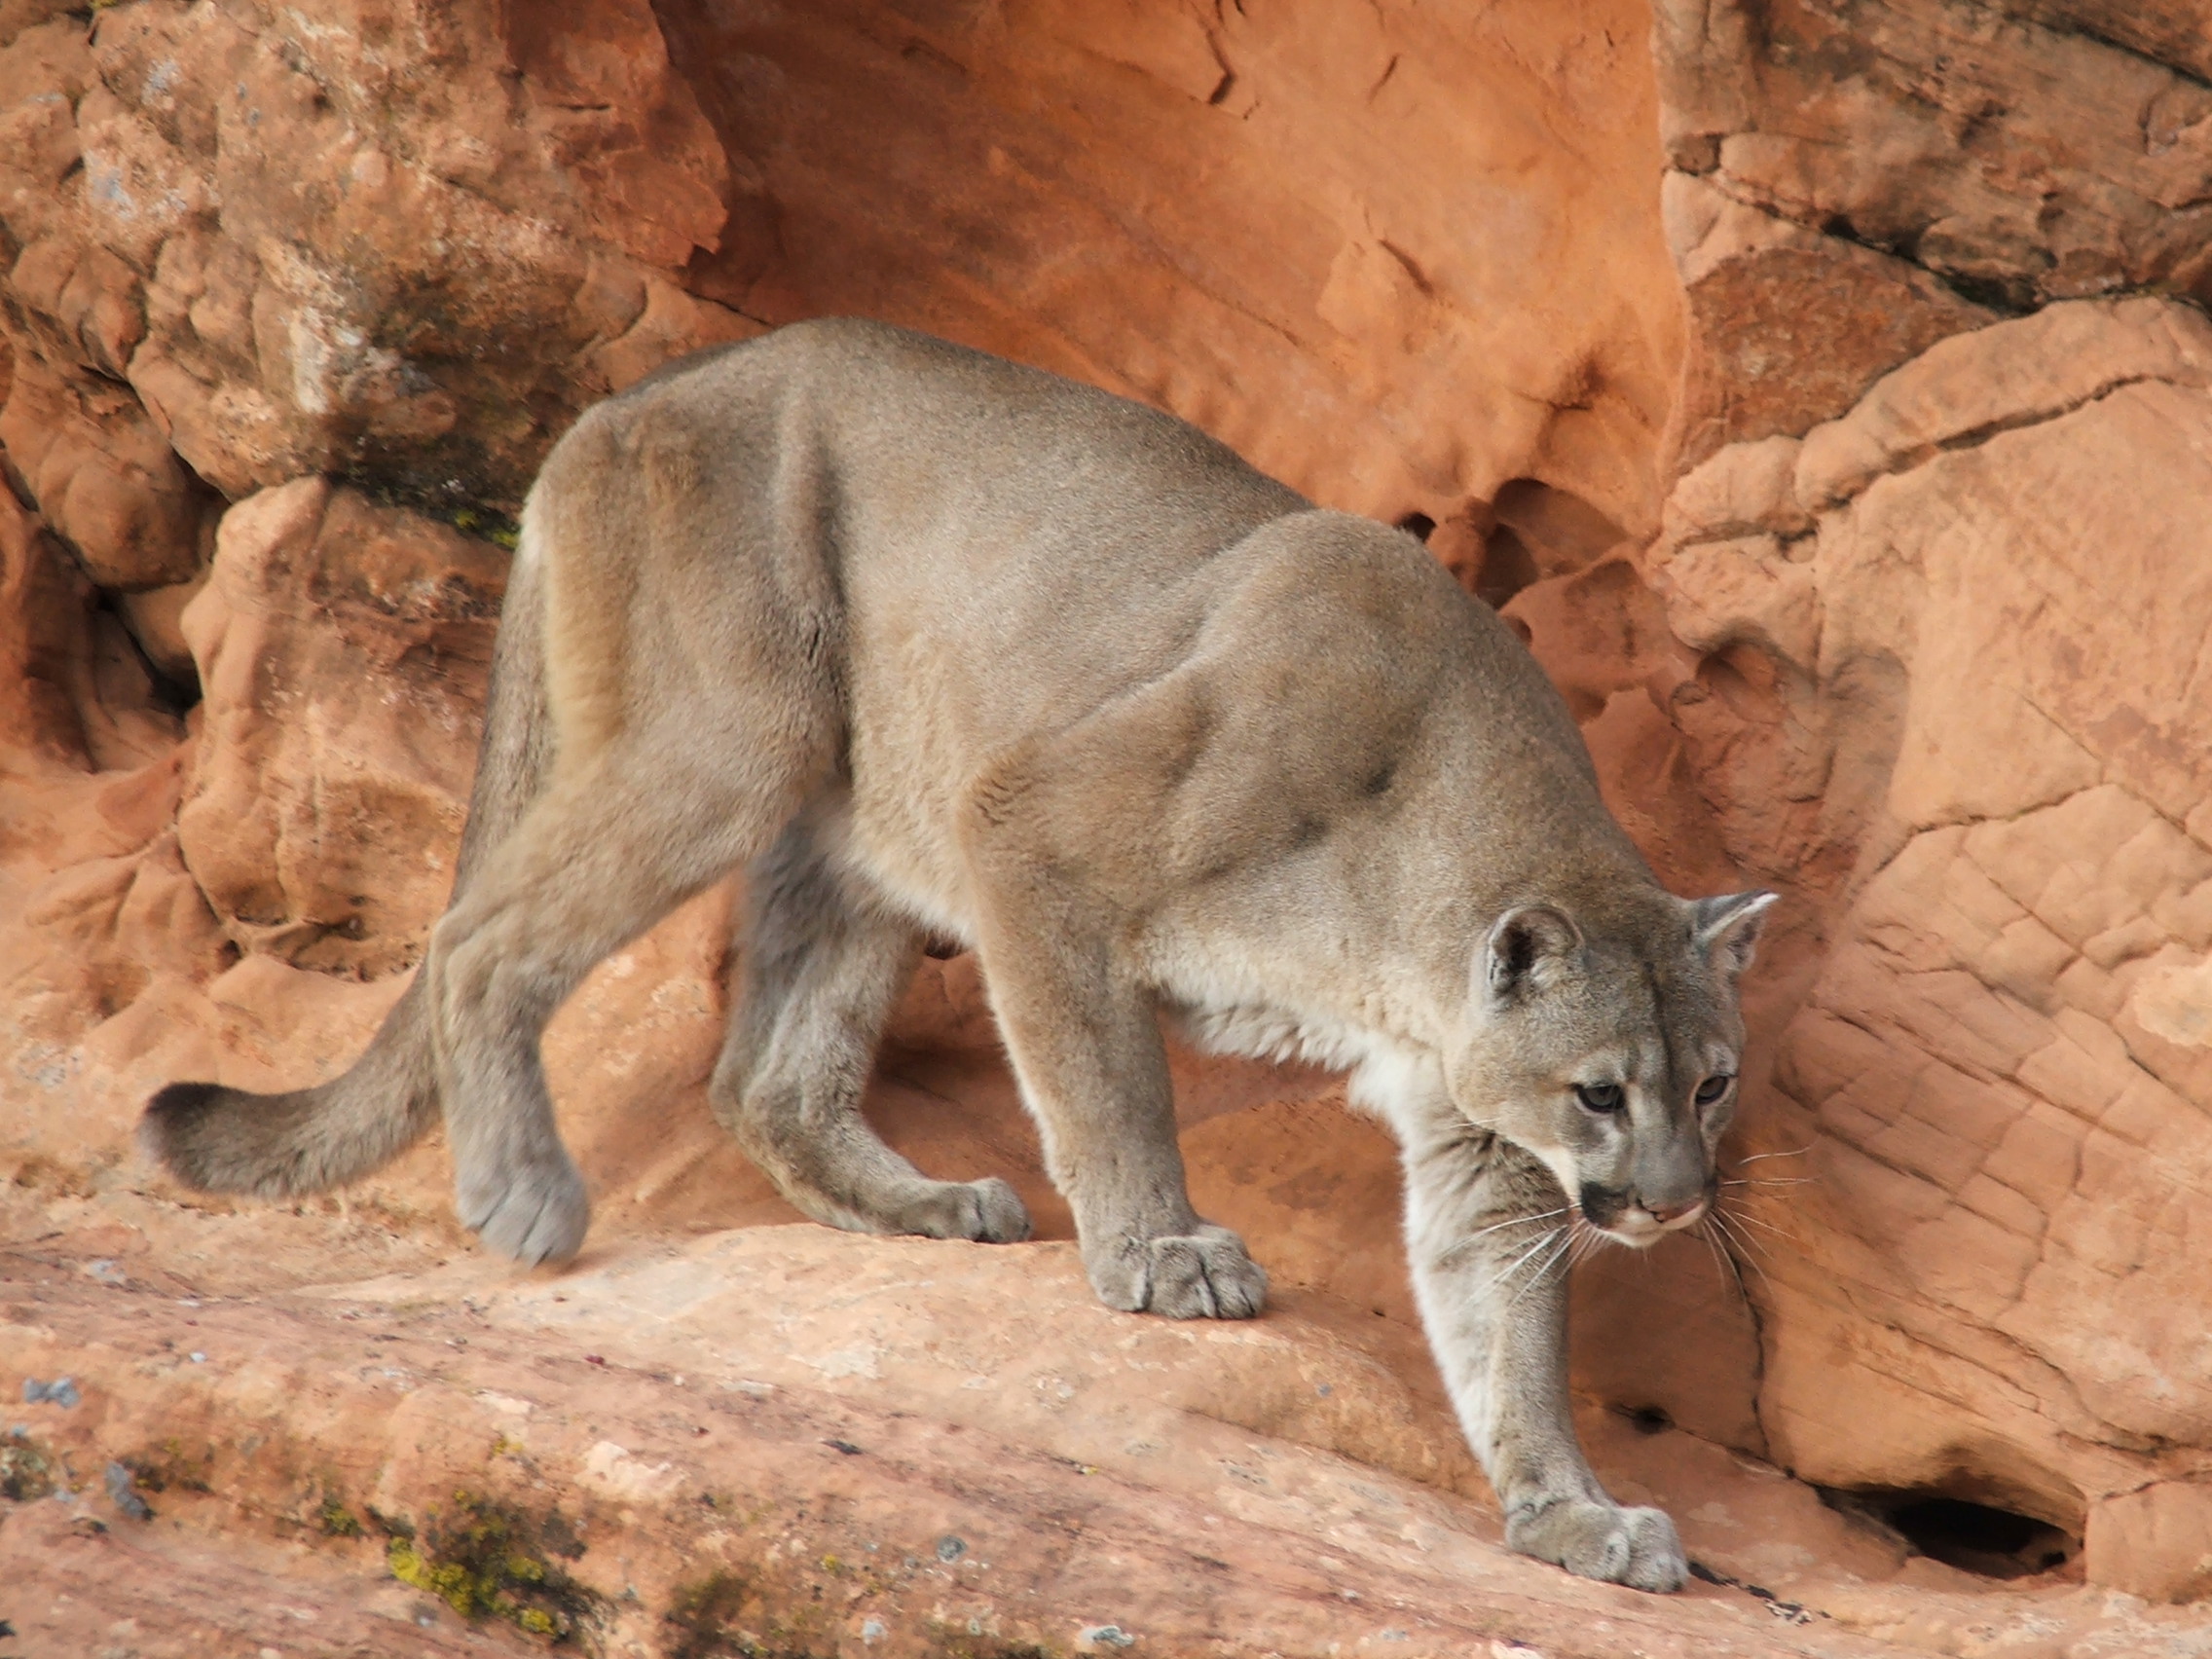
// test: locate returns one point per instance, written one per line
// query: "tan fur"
(928, 642)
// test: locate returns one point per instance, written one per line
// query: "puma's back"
(1006, 554)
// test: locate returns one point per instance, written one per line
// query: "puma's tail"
(226, 1140)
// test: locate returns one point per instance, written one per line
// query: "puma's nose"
(1667, 1215)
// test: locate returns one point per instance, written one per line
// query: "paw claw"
(1204, 1274)
(535, 1212)
(988, 1211)
(1635, 1547)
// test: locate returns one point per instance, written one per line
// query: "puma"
(929, 643)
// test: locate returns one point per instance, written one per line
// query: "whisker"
(1750, 1254)
(1542, 1273)
(1584, 1246)
(1770, 1181)
(1498, 1281)
(1748, 1218)
(1516, 1220)
(1757, 1156)
(1703, 1234)
(1721, 1253)
(1482, 1233)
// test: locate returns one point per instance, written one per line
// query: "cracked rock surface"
(2002, 1063)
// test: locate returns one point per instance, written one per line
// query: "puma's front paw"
(1197, 1275)
(535, 1212)
(1636, 1547)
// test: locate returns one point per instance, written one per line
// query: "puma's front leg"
(1061, 873)
(1488, 1229)
(1085, 1045)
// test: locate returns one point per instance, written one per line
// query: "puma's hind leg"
(822, 966)
(692, 632)
(605, 854)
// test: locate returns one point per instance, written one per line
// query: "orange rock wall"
(1396, 257)
(1764, 363)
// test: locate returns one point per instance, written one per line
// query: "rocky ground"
(779, 1439)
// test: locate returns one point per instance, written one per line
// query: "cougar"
(926, 642)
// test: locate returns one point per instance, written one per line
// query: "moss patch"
(169, 1466)
(962, 1646)
(729, 1615)
(726, 1616)
(484, 1558)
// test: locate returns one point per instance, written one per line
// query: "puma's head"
(1612, 1057)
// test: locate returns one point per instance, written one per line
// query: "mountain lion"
(927, 642)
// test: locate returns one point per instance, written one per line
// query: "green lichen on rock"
(488, 1560)
(26, 1471)
(489, 524)
(334, 1520)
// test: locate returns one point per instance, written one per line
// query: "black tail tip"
(165, 1128)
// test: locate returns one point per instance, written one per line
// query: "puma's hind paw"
(535, 1212)
(1636, 1547)
(986, 1211)
(1204, 1274)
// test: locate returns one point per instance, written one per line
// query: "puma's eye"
(1713, 1089)
(1601, 1096)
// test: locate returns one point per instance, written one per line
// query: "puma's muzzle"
(1636, 1219)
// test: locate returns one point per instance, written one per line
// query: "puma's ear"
(1529, 950)
(1726, 928)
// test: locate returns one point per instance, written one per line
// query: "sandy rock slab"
(662, 1511)
(83, 1586)
(665, 1452)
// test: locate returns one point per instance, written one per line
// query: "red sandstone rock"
(342, 651)
(77, 699)
(338, 242)
(2026, 158)
(1924, 649)
(1850, 186)
(1947, 690)
(1219, 210)
(1786, 326)
(105, 478)
(2155, 1541)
